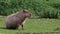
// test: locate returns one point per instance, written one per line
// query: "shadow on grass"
(6, 28)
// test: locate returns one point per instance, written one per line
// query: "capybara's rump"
(11, 27)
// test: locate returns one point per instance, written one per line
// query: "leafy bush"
(41, 8)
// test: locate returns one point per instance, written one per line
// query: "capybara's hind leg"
(7, 27)
(10, 27)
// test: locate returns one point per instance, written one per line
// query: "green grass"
(33, 25)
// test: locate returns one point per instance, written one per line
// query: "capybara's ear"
(24, 11)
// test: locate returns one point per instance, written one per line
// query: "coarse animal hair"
(14, 20)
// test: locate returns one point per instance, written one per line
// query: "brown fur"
(14, 20)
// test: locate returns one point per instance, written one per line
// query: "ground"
(33, 25)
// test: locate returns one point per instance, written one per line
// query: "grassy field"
(33, 25)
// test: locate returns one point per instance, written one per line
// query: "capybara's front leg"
(22, 27)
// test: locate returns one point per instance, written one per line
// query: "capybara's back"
(14, 20)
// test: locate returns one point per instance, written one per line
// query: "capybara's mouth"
(29, 16)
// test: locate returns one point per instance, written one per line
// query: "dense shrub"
(48, 12)
(41, 8)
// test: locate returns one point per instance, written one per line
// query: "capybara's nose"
(30, 15)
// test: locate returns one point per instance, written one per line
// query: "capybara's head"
(26, 13)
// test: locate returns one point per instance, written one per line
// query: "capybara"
(14, 20)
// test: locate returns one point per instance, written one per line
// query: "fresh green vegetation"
(33, 25)
(41, 8)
